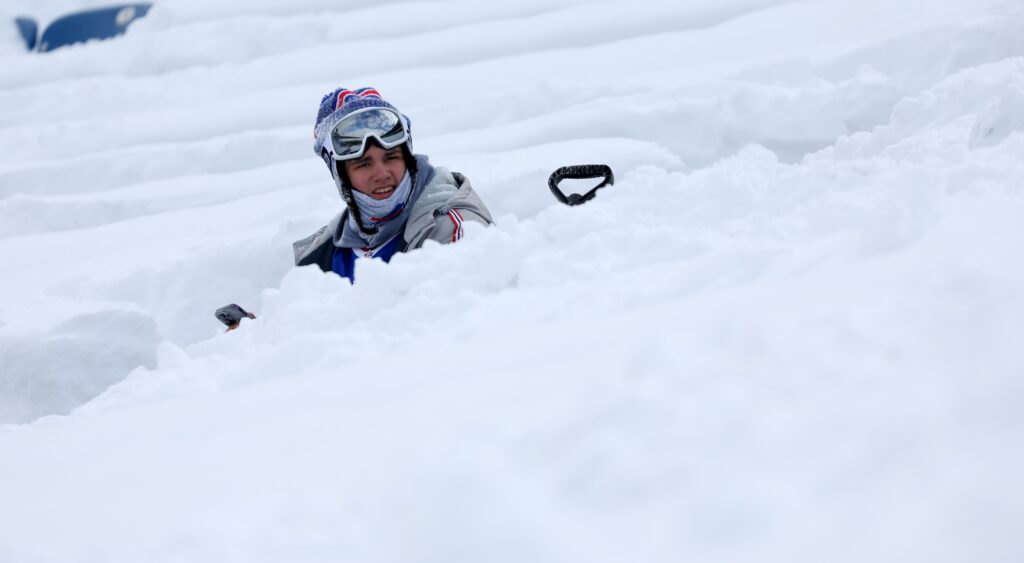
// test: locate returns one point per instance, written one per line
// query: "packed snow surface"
(791, 331)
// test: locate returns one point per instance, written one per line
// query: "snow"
(789, 331)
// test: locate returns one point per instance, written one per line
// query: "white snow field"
(790, 332)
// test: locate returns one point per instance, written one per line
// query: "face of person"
(378, 172)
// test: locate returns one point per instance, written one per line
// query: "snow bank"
(81, 351)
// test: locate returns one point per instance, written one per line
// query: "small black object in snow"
(231, 315)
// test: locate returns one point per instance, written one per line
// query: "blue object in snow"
(29, 30)
(101, 23)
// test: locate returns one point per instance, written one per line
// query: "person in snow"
(395, 200)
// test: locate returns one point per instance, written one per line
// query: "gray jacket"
(428, 220)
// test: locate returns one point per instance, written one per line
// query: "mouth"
(382, 192)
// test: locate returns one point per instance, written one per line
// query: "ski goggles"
(349, 136)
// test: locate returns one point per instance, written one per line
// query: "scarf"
(377, 212)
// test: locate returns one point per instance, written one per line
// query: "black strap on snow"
(580, 172)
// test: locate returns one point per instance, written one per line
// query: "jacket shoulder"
(317, 248)
(440, 212)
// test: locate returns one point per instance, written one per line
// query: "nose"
(378, 171)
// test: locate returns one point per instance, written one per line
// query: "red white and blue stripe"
(343, 94)
(456, 218)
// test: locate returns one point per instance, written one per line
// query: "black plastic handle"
(580, 172)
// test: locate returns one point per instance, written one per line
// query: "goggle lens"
(348, 138)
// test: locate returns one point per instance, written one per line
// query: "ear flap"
(340, 175)
(336, 168)
(410, 160)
